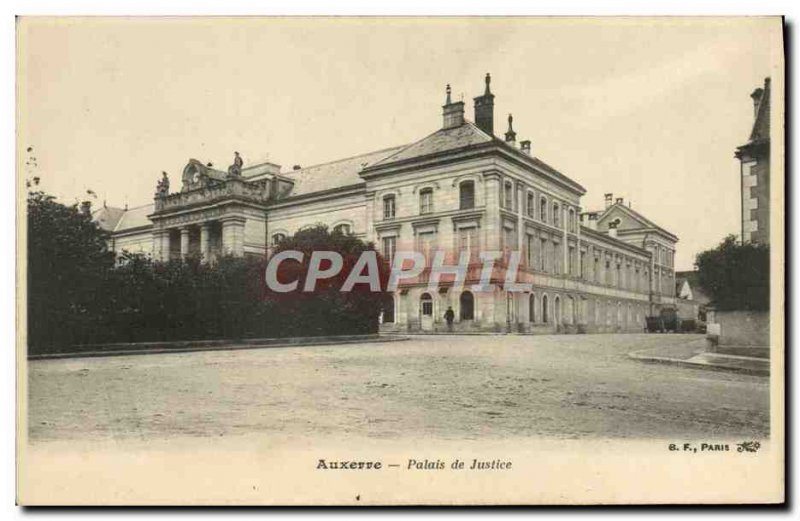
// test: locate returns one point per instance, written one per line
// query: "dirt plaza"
(444, 387)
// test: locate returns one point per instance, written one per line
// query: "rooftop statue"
(235, 170)
(162, 188)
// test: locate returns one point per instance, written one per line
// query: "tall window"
(543, 255)
(510, 238)
(467, 305)
(468, 240)
(556, 215)
(388, 207)
(572, 227)
(557, 310)
(530, 210)
(426, 304)
(571, 260)
(388, 309)
(466, 195)
(532, 308)
(389, 247)
(426, 201)
(426, 243)
(530, 241)
(509, 195)
(543, 210)
(545, 310)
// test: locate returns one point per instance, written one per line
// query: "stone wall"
(739, 329)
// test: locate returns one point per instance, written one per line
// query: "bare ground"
(446, 387)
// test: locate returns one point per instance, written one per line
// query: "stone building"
(458, 189)
(754, 171)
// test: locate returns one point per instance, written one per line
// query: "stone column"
(184, 242)
(205, 230)
(158, 243)
(165, 245)
(233, 235)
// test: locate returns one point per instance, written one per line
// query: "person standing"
(449, 316)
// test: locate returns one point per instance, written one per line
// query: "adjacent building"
(754, 171)
(459, 189)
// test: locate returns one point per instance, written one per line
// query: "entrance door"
(426, 312)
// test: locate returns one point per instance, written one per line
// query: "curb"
(636, 355)
(325, 341)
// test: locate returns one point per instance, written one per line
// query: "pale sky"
(649, 109)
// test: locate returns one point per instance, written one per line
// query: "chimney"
(525, 146)
(590, 219)
(452, 113)
(757, 95)
(609, 198)
(619, 200)
(511, 136)
(484, 109)
(296, 167)
(86, 207)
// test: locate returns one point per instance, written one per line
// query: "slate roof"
(442, 140)
(118, 220)
(334, 174)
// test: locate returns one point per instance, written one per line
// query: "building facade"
(459, 190)
(754, 171)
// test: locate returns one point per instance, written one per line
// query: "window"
(530, 210)
(556, 216)
(389, 247)
(510, 238)
(543, 210)
(277, 238)
(388, 207)
(572, 220)
(466, 195)
(426, 201)
(557, 310)
(509, 195)
(571, 260)
(544, 309)
(426, 304)
(543, 255)
(426, 243)
(467, 304)
(532, 308)
(388, 309)
(344, 229)
(468, 240)
(529, 250)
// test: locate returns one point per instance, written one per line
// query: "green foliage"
(78, 293)
(736, 276)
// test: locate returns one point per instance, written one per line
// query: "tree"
(67, 260)
(327, 310)
(735, 276)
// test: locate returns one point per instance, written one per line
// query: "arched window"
(466, 195)
(467, 304)
(278, 238)
(545, 310)
(344, 229)
(557, 310)
(388, 207)
(530, 210)
(532, 308)
(543, 210)
(426, 304)
(556, 216)
(388, 309)
(426, 200)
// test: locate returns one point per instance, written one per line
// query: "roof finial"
(488, 81)
(511, 136)
(448, 95)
